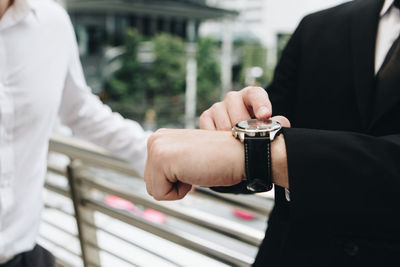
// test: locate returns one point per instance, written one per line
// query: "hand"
(178, 159)
(250, 102)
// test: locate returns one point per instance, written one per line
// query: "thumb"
(282, 120)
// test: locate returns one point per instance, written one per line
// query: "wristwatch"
(257, 135)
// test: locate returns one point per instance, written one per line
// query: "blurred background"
(161, 63)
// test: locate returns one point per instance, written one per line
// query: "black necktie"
(391, 61)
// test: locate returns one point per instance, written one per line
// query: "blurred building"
(266, 21)
(102, 24)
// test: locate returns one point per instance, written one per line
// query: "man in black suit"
(338, 82)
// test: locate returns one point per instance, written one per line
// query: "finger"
(149, 189)
(148, 182)
(179, 191)
(206, 122)
(161, 189)
(257, 101)
(237, 110)
(147, 173)
(221, 117)
(282, 120)
(157, 184)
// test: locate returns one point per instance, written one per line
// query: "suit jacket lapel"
(387, 101)
(364, 29)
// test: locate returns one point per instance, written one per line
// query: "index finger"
(257, 101)
(236, 108)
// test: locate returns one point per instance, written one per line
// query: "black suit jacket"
(343, 148)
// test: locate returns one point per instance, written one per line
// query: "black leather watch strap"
(240, 188)
(256, 135)
(258, 163)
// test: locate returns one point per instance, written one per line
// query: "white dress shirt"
(41, 77)
(388, 31)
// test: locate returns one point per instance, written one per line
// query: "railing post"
(84, 217)
(191, 75)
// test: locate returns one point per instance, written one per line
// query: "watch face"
(259, 125)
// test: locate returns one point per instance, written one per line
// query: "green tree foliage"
(254, 55)
(123, 85)
(165, 80)
(158, 87)
(167, 77)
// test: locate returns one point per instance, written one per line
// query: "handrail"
(82, 183)
(199, 218)
(186, 239)
(92, 154)
(89, 153)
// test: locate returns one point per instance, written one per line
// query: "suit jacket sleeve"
(334, 175)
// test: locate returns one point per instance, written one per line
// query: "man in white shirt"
(41, 77)
(338, 82)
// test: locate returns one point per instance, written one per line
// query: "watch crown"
(241, 136)
(234, 133)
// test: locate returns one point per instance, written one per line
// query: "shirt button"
(351, 248)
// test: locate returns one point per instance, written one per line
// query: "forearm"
(4, 5)
(96, 123)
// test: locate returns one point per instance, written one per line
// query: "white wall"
(285, 15)
(266, 18)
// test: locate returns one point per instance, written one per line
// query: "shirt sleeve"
(93, 121)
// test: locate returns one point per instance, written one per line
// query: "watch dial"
(258, 124)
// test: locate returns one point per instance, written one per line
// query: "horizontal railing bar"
(88, 224)
(56, 169)
(90, 263)
(93, 264)
(89, 153)
(252, 203)
(229, 228)
(94, 246)
(60, 229)
(184, 239)
(77, 149)
(47, 206)
(57, 189)
(61, 246)
(68, 250)
(62, 263)
(245, 205)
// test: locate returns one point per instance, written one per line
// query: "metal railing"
(222, 239)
